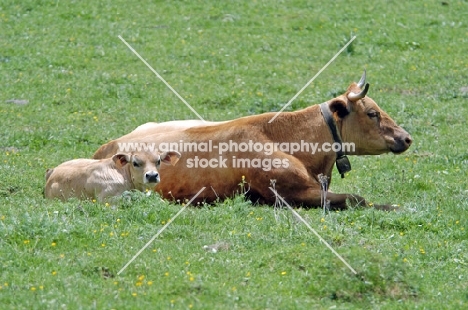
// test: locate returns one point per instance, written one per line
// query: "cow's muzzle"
(402, 143)
(151, 177)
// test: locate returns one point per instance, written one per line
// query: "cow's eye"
(373, 114)
(135, 164)
(158, 162)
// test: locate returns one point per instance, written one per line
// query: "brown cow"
(356, 119)
(92, 178)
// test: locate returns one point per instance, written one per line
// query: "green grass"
(231, 59)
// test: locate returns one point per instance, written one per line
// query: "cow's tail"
(48, 173)
(47, 176)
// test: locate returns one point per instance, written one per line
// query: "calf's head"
(365, 124)
(143, 166)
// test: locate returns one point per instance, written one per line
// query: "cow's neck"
(307, 124)
(304, 125)
(342, 163)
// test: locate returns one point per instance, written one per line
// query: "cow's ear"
(340, 107)
(121, 160)
(170, 157)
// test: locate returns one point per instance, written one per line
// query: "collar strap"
(342, 162)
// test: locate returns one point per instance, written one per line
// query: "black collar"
(342, 162)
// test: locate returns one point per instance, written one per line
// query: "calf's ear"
(339, 106)
(170, 157)
(121, 160)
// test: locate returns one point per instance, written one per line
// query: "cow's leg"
(312, 198)
(298, 188)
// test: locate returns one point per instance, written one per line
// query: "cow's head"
(143, 166)
(364, 123)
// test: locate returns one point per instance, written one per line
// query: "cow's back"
(147, 130)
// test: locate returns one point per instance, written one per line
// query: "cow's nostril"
(408, 140)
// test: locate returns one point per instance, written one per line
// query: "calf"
(91, 178)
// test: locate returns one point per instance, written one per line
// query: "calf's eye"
(135, 164)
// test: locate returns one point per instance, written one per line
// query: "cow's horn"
(362, 81)
(353, 96)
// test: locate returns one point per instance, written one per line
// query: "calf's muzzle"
(152, 177)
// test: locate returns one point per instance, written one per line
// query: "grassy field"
(69, 85)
